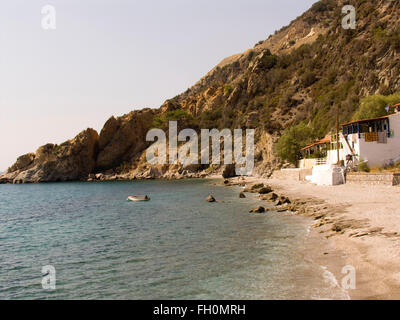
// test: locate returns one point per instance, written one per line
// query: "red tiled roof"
(322, 141)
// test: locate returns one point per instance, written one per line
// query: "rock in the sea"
(229, 171)
(265, 190)
(210, 198)
(242, 195)
(269, 197)
(254, 188)
(257, 186)
(258, 210)
(91, 176)
(281, 200)
(284, 200)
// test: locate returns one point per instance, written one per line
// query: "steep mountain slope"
(301, 73)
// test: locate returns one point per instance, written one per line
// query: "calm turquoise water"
(175, 246)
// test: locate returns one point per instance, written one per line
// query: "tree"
(292, 141)
(374, 106)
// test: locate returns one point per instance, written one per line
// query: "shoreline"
(358, 225)
(318, 249)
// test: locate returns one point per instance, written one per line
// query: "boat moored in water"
(137, 198)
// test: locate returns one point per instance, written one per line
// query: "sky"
(109, 57)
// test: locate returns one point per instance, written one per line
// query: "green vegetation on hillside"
(293, 139)
(184, 118)
(374, 106)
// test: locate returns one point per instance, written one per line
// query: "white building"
(374, 141)
(321, 157)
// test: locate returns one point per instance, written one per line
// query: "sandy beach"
(356, 225)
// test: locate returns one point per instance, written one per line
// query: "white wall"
(332, 156)
(327, 175)
(307, 163)
(378, 154)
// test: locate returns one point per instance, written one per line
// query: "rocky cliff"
(120, 140)
(69, 161)
(299, 74)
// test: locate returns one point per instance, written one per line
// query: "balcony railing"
(321, 161)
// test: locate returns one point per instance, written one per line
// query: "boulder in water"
(257, 186)
(257, 210)
(269, 197)
(229, 171)
(210, 198)
(265, 190)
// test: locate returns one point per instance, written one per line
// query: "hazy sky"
(108, 57)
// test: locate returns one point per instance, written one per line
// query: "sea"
(84, 240)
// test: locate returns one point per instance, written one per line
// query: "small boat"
(137, 199)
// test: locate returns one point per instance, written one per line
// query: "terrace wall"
(389, 179)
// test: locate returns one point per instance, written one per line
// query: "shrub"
(158, 122)
(363, 167)
(293, 139)
(183, 117)
(308, 79)
(332, 75)
(269, 61)
(211, 118)
(395, 40)
(227, 89)
(374, 106)
(380, 34)
(178, 115)
(320, 6)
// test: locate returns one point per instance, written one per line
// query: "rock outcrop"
(229, 171)
(72, 160)
(123, 138)
(210, 198)
(265, 190)
(259, 209)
